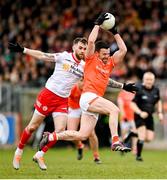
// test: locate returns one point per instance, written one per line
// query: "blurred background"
(51, 26)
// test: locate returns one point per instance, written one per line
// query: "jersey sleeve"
(137, 96)
(59, 56)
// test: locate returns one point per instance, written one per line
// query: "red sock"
(115, 139)
(50, 143)
(80, 145)
(24, 138)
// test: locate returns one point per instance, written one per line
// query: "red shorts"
(47, 102)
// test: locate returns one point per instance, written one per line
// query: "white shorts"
(127, 125)
(74, 113)
(85, 101)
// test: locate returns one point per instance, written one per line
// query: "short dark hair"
(80, 39)
(100, 44)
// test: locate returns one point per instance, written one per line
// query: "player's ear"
(74, 47)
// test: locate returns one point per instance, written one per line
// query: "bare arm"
(138, 111)
(135, 108)
(159, 108)
(91, 40)
(120, 54)
(115, 84)
(39, 54)
(130, 87)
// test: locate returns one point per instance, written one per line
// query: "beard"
(80, 56)
(105, 60)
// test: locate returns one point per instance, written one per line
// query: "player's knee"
(32, 128)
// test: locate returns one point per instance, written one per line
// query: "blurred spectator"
(50, 26)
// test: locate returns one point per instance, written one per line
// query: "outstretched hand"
(102, 17)
(130, 87)
(15, 47)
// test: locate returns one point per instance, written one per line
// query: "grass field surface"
(62, 163)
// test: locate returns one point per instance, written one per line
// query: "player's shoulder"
(65, 56)
(65, 53)
(140, 88)
(156, 88)
(92, 56)
(139, 85)
(60, 54)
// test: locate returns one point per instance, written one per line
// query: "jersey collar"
(76, 60)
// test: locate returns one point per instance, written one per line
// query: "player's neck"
(75, 58)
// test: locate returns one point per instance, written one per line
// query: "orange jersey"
(73, 100)
(96, 74)
(126, 98)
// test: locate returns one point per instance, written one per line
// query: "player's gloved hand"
(131, 87)
(114, 30)
(15, 47)
(102, 17)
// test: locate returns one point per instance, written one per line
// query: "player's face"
(104, 54)
(79, 50)
(148, 81)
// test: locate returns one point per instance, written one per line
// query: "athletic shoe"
(44, 141)
(16, 161)
(139, 158)
(97, 161)
(80, 154)
(40, 161)
(120, 147)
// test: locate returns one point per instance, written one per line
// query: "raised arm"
(131, 87)
(91, 41)
(122, 49)
(35, 53)
(94, 33)
(121, 52)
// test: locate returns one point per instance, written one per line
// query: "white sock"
(51, 138)
(40, 153)
(19, 151)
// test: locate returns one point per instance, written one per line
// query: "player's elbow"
(91, 42)
(123, 51)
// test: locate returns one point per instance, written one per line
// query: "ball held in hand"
(109, 23)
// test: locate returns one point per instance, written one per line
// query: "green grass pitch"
(62, 163)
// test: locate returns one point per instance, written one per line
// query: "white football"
(109, 23)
